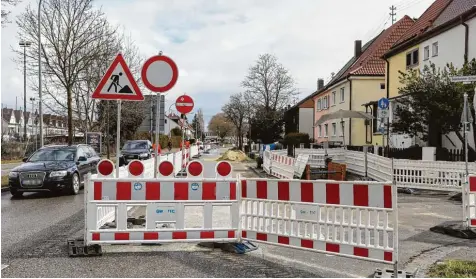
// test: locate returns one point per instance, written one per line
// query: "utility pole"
(31, 117)
(393, 13)
(24, 45)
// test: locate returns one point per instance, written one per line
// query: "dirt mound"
(234, 155)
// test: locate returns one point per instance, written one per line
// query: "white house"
(450, 47)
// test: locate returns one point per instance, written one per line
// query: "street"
(35, 229)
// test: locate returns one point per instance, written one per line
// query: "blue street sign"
(383, 103)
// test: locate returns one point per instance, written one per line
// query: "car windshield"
(135, 145)
(53, 155)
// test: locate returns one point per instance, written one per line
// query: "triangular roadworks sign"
(118, 83)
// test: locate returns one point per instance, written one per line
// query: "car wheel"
(16, 194)
(75, 185)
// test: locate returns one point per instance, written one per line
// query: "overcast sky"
(214, 42)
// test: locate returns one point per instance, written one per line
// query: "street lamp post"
(40, 95)
(32, 100)
(24, 45)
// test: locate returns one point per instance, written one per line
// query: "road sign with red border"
(184, 104)
(159, 73)
(118, 83)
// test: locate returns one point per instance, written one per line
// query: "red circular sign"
(166, 168)
(224, 168)
(195, 168)
(105, 167)
(136, 168)
(159, 73)
(184, 104)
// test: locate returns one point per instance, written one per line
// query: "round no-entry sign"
(184, 104)
(159, 73)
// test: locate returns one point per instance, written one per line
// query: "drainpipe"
(466, 41)
(350, 108)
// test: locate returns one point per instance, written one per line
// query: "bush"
(294, 139)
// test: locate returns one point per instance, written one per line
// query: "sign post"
(118, 84)
(159, 74)
(467, 118)
(184, 104)
(382, 114)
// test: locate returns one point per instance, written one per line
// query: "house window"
(319, 104)
(412, 58)
(426, 53)
(382, 86)
(326, 130)
(334, 98)
(434, 49)
(334, 129)
(319, 131)
(324, 103)
(342, 95)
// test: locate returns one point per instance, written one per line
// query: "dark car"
(135, 150)
(58, 168)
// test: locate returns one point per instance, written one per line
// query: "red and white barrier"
(281, 166)
(469, 202)
(352, 219)
(166, 199)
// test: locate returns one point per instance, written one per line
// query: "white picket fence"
(417, 174)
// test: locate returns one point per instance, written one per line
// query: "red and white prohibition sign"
(184, 104)
(159, 73)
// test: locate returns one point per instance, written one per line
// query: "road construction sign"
(118, 83)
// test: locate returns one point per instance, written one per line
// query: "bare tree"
(5, 11)
(75, 35)
(269, 84)
(220, 126)
(236, 110)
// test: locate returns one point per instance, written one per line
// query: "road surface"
(35, 229)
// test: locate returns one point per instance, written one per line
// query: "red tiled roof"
(454, 9)
(425, 21)
(370, 62)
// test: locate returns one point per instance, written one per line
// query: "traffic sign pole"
(118, 137)
(157, 135)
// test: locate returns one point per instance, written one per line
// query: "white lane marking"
(4, 266)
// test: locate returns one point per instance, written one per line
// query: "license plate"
(32, 182)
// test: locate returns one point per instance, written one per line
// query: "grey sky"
(214, 42)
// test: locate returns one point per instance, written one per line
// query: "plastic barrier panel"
(351, 219)
(471, 201)
(282, 166)
(165, 202)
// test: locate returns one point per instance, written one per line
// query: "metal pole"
(40, 95)
(24, 92)
(157, 127)
(466, 117)
(118, 137)
(183, 140)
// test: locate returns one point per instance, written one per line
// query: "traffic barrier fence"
(352, 219)
(469, 201)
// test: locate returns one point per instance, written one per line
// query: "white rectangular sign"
(306, 212)
(463, 79)
(382, 113)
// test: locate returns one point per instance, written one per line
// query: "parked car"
(135, 150)
(55, 168)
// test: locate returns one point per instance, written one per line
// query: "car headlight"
(58, 173)
(13, 174)
(143, 155)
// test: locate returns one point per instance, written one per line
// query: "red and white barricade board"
(470, 198)
(165, 201)
(351, 219)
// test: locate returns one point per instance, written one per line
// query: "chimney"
(357, 48)
(320, 83)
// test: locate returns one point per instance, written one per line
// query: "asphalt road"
(35, 229)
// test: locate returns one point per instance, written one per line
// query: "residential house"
(300, 117)
(360, 81)
(445, 33)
